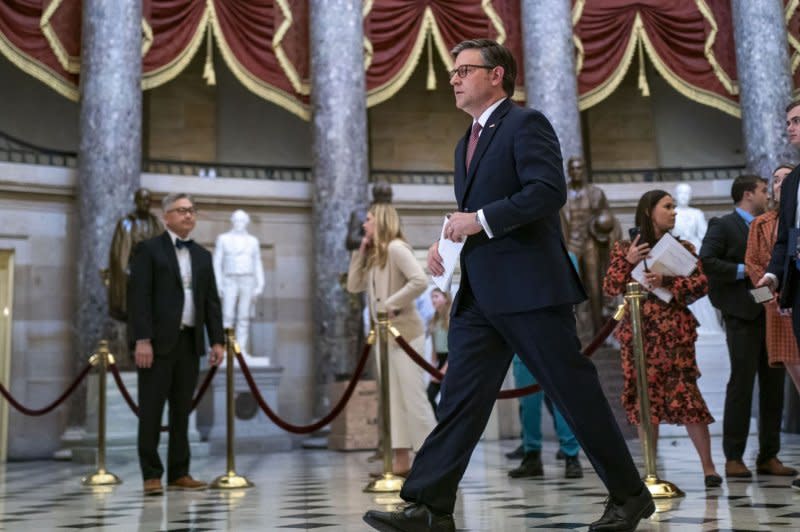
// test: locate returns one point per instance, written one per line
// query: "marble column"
(551, 85)
(109, 158)
(765, 82)
(340, 174)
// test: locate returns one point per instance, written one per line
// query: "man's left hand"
(216, 355)
(461, 225)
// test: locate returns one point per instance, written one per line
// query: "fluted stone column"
(765, 82)
(340, 172)
(109, 157)
(551, 85)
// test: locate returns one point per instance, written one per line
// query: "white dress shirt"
(185, 265)
(482, 121)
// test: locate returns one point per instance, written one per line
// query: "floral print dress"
(670, 331)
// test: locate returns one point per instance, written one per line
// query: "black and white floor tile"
(318, 489)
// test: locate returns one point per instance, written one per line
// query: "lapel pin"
(491, 126)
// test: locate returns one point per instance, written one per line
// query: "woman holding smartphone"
(669, 332)
(384, 265)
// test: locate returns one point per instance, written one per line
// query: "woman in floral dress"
(669, 333)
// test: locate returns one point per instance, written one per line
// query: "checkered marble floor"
(310, 489)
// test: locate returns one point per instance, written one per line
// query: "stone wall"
(180, 117)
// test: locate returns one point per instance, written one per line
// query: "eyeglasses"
(183, 211)
(464, 70)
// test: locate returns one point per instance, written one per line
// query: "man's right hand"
(143, 354)
(767, 280)
(435, 262)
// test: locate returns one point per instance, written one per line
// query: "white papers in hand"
(449, 251)
(668, 257)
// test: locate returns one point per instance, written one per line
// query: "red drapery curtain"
(265, 43)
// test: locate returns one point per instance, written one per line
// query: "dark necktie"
(180, 244)
(473, 142)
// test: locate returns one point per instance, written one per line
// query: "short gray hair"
(493, 55)
(169, 199)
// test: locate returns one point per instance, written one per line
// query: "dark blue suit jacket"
(516, 177)
(783, 253)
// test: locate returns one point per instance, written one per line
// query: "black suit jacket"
(155, 296)
(722, 251)
(783, 253)
(516, 177)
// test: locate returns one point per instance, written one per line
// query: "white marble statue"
(691, 225)
(240, 274)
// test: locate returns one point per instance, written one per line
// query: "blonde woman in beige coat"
(385, 266)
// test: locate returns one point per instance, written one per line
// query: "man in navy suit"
(172, 302)
(518, 288)
(783, 271)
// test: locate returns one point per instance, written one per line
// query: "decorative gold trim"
(579, 55)
(208, 68)
(70, 63)
(643, 86)
(38, 70)
(690, 91)
(791, 8)
(730, 86)
(604, 90)
(496, 21)
(441, 46)
(300, 86)
(430, 82)
(390, 88)
(577, 13)
(147, 36)
(255, 85)
(171, 70)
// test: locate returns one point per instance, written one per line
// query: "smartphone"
(633, 232)
(761, 295)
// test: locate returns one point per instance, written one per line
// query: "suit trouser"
(171, 378)
(481, 348)
(747, 349)
(531, 416)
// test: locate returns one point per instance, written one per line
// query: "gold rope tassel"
(208, 70)
(643, 85)
(431, 83)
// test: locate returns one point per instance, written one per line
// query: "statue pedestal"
(253, 431)
(121, 424)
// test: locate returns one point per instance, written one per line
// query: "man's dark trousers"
(748, 355)
(172, 378)
(481, 349)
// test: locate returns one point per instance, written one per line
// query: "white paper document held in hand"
(449, 251)
(668, 257)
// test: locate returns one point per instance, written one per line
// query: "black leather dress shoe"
(713, 481)
(625, 517)
(516, 454)
(412, 518)
(531, 466)
(572, 467)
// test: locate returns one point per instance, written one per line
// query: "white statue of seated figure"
(240, 274)
(691, 225)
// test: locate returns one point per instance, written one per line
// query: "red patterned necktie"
(473, 142)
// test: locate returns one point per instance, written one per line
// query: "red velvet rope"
(135, 408)
(598, 340)
(305, 429)
(51, 406)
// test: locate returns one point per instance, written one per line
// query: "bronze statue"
(381, 193)
(134, 227)
(590, 230)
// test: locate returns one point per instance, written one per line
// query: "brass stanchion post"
(659, 489)
(230, 480)
(389, 482)
(102, 358)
